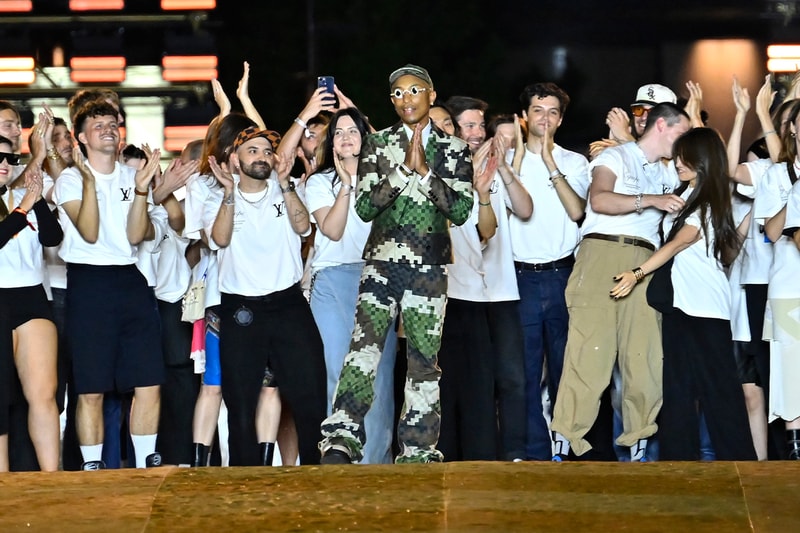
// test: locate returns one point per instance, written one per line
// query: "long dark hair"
(788, 145)
(326, 160)
(702, 150)
(219, 139)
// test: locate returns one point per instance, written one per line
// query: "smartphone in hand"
(327, 82)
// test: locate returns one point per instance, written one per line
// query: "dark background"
(599, 52)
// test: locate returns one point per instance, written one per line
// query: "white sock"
(143, 445)
(638, 450)
(560, 444)
(93, 452)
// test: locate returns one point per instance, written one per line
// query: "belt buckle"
(537, 267)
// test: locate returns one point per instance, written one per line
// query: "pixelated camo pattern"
(383, 287)
(410, 221)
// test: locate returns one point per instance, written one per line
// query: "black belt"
(642, 243)
(553, 265)
(271, 296)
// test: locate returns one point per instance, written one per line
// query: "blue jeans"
(333, 304)
(543, 312)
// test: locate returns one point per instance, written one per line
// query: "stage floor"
(718, 497)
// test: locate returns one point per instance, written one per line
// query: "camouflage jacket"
(410, 221)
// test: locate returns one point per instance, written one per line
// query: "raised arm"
(243, 93)
(763, 103)
(741, 100)
(139, 227)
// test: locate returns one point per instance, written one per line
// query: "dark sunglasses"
(13, 159)
(639, 110)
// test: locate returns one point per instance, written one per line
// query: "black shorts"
(25, 303)
(113, 329)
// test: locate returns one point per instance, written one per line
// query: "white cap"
(653, 93)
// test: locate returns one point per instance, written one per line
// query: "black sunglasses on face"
(13, 159)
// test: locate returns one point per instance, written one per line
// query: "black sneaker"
(335, 455)
(152, 460)
(93, 465)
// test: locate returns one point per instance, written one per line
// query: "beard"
(259, 170)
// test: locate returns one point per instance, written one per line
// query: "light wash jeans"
(333, 303)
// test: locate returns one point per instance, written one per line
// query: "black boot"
(267, 452)
(793, 440)
(202, 455)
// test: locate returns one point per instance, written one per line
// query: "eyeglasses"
(398, 93)
(639, 109)
(13, 159)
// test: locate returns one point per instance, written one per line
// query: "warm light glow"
(778, 51)
(24, 147)
(97, 63)
(109, 69)
(97, 76)
(16, 63)
(784, 65)
(177, 137)
(198, 62)
(189, 68)
(8, 6)
(16, 77)
(17, 70)
(96, 5)
(188, 4)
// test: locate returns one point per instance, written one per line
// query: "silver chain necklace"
(254, 203)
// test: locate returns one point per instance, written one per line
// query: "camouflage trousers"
(419, 293)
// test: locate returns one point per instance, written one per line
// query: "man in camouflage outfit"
(413, 181)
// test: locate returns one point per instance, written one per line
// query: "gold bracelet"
(52, 153)
(638, 274)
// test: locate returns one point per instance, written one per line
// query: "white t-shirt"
(498, 255)
(771, 198)
(740, 326)
(793, 207)
(701, 287)
(173, 273)
(203, 197)
(148, 251)
(115, 193)
(56, 269)
(21, 259)
(466, 278)
(320, 193)
(634, 175)
(264, 254)
(757, 249)
(549, 234)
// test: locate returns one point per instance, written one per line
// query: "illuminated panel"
(189, 68)
(16, 6)
(167, 5)
(783, 51)
(97, 69)
(16, 70)
(96, 5)
(783, 57)
(783, 64)
(177, 137)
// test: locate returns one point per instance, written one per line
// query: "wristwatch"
(289, 188)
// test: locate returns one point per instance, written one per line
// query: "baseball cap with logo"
(413, 70)
(653, 93)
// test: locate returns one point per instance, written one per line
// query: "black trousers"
(279, 332)
(700, 375)
(179, 391)
(469, 424)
